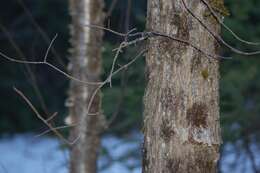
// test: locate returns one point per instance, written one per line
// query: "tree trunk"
(181, 116)
(85, 64)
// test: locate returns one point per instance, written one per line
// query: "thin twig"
(52, 116)
(225, 26)
(148, 34)
(124, 72)
(114, 62)
(115, 32)
(133, 42)
(216, 36)
(32, 77)
(107, 80)
(50, 46)
(106, 29)
(111, 9)
(55, 128)
(41, 31)
(57, 133)
(119, 50)
(45, 62)
(189, 44)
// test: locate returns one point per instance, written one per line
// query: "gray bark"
(85, 64)
(181, 116)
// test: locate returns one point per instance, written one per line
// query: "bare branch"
(216, 36)
(189, 44)
(114, 62)
(40, 31)
(45, 62)
(107, 80)
(42, 119)
(115, 32)
(51, 117)
(148, 34)
(112, 6)
(55, 128)
(106, 29)
(225, 26)
(48, 50)
(32, 78)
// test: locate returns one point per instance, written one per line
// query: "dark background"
(27, 26)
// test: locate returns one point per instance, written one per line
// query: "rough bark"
(181, 116)
(85, 64)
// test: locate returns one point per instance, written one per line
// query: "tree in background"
(181, 116)
(85, 64)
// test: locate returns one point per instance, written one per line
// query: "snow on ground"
(239, 162)
(25, 153)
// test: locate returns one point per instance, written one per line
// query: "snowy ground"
(24, 153)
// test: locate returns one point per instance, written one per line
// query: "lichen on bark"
(181, 113)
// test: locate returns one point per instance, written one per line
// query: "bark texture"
(181, 116)
(85, 64)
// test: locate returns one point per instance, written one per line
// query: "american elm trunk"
(85, 64)
(181, 116)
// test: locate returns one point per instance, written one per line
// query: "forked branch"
(53, 129)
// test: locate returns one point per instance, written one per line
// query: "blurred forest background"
(27, 26)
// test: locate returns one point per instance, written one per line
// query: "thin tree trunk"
(181, 116)
(85, 64)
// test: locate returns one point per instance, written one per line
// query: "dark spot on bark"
(203, 159)
(179, 21)
(183, 27)
(213, 102)
(178, 60)
(205, 165)
(192, 141)
(172, 165)
(153, 132)
(183, 32)
(167, 98)
(197, 115)
(176, 20)
(172, 48)
(166, 130)
(171, 100)
(196, 62)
